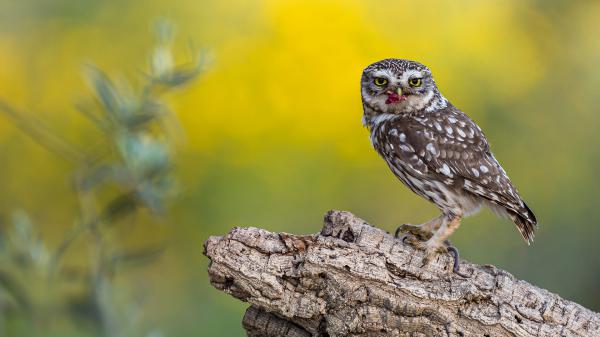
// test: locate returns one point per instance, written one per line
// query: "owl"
(436, 150)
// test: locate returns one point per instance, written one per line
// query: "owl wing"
(450, 146)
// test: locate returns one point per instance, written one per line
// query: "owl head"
(398, 86)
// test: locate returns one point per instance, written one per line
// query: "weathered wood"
(353, 279)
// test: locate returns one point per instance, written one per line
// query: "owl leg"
(423, 231)
(449, 225)
(432, 224)
(436, 243)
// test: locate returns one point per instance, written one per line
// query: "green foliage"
(24, 258)
(128, 170)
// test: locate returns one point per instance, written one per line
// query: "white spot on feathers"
(471, 133)
(446, 171)
(381, 118)
(406, 148)
(431, 149)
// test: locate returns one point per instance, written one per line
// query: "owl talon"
(454, 252)
(415, 231)
(404, 228)
(399, 229)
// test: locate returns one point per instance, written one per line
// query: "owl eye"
(380, 81)
(414, 82)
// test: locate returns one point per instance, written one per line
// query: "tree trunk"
(353, 279)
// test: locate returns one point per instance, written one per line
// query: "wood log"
(353, 279)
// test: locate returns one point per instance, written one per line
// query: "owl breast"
(403, 159)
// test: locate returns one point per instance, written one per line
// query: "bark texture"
(353, 279)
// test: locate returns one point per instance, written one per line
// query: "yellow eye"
(380, 81)
(414, 82)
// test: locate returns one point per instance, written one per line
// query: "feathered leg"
(449, 224)
(423, 231)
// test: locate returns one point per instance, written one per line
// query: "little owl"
(437, 151)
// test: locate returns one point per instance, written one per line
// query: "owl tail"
(525, 221)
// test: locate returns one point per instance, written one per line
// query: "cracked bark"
(352, 279)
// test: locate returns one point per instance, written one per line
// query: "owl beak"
(395, 96)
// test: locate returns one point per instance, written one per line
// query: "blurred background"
(270, 135)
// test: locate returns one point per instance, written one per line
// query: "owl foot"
(418, 238)
(415, 231)
(432, 248)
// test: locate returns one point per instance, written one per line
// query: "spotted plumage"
(436, 149)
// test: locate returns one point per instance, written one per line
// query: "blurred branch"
(352, 279)
(41, 134)
(8, 284)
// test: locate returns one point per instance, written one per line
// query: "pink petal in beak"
(395, 96)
